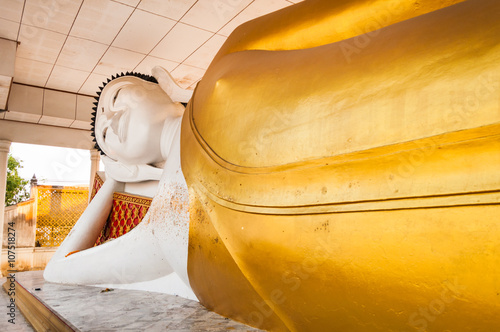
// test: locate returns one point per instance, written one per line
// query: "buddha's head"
(129, 114)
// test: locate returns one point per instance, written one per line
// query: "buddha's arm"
(78, 261)
(115, 262)
(130, 173)
(318, 22)
(91, 222)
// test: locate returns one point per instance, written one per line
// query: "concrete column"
(4, 157)
(95, 158)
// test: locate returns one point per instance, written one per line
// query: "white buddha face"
(129, 121)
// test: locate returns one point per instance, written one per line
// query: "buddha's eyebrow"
(116, 95)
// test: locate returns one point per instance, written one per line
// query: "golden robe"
(342, 159)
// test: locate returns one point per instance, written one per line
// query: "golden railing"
(58, 209)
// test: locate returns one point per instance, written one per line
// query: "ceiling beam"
(49, 107)
(32, 133)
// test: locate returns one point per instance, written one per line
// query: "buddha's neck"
(170, 138)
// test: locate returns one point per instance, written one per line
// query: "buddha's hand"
(130, 173)
(168, 84)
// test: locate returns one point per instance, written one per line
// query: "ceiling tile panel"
(143, 31)
(5, 83)
(31, 72)
(202, 57)
(66, 79)
(173, 9)
(55, 121)
(213, 15)
(256, 9)
(25, 103)
(39, 44)
(11, 9)
(51, 15)
(59, 108)
(83, 112)
(100, 20)
(180, 42)
(92, 84)
(8, 29)
(132, 3)
(150, 61)
(186, 75)
(117, 60)
(81, 54)
(22, 117)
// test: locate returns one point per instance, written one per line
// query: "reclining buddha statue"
(337, 167)
(137, 129)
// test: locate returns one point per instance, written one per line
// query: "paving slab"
(87, 308)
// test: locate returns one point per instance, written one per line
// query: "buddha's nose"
(115, 122)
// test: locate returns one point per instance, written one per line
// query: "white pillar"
(95, 158)
(4, 157)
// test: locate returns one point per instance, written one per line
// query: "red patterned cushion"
(126, 213)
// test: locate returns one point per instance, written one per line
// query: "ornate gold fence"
(58, 209)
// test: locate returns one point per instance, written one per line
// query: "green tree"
(16, 190)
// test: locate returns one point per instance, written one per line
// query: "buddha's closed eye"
(116, 96)
(104, 131)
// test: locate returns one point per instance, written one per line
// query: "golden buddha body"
(342, 163)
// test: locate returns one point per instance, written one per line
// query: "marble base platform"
(87, 308)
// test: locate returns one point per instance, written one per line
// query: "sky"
(53, 165)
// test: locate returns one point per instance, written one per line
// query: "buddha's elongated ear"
(130, 173)
(168, 84)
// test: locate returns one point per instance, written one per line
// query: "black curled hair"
(145, 77)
